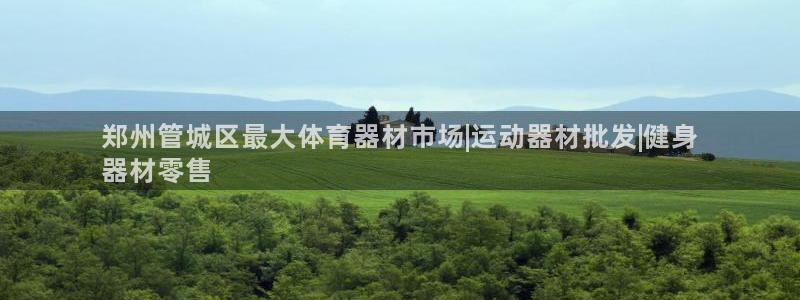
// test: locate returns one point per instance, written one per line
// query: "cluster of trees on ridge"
(81, 244)
(371, 116)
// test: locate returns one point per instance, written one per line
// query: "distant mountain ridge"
(754, 100)
(13, 99)
(526, 108)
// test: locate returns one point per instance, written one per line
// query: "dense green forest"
(64, 234)
(80, 244)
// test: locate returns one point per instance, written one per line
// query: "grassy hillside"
(437, 169)
(521, 179)
(755, 204)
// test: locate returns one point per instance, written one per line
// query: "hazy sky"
(433, 54)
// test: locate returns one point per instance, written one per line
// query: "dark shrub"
(707, 156)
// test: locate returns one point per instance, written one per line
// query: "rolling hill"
(520, 179)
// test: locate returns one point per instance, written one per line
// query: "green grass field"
(520, 179)
(755, 204)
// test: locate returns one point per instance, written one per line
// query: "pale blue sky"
(441, 54)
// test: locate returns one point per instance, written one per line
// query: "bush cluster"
(23, 169)
(707, 156)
